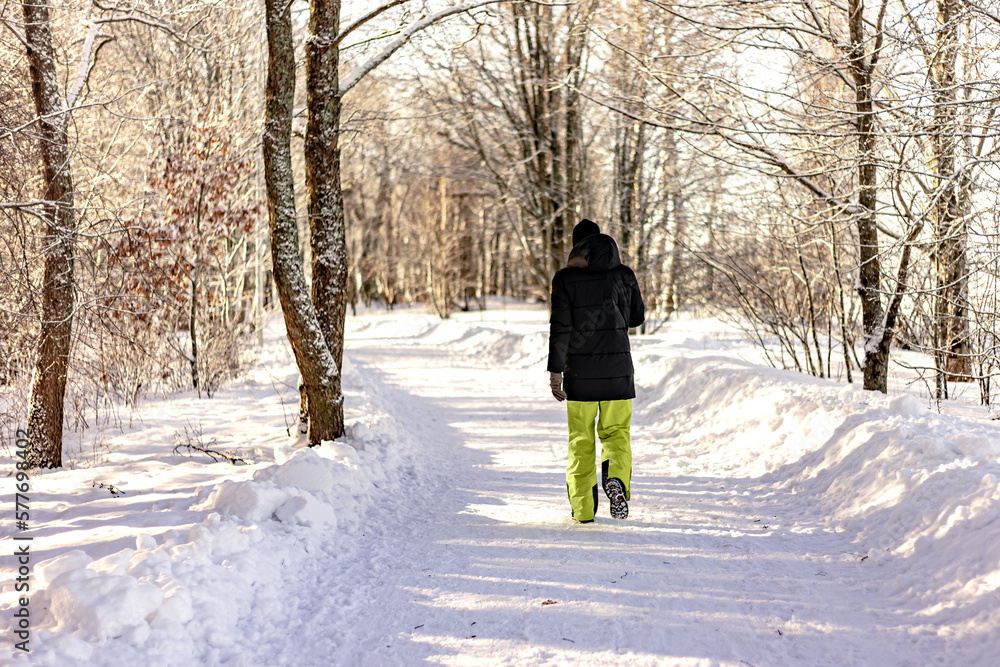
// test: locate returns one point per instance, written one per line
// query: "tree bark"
(320, 372)
(629, 158)
(193, 329)
(48, 385)
(847, 343)
(876, 369)
(811, 303)
(678, 202)
(323, 193)
(951, 303)
(193, 314)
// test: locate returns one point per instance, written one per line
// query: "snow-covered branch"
(364, 68)
(26, 207)
(85, 59)
(759, 151)
(24, 204)
(988, 13)
(136, 15)
(366, 18)
(10, 26)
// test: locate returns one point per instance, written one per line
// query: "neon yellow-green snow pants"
(614, 421)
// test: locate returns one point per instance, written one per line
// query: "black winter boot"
(616, 494)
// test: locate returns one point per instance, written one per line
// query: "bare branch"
(10, 26)
(363, 69)
(759, 151)
(988, 13)
(138, 16)
(26, 207)
(85, 59)
(367, 17)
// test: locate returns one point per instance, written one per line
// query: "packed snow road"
(776, 519)
(473, 558)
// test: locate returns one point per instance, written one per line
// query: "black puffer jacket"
(595, 300)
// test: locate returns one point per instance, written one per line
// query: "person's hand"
(555, 383)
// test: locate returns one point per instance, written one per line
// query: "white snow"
(776, 519)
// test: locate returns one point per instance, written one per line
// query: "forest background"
(824, 173)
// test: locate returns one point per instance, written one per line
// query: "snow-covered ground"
(775, 519)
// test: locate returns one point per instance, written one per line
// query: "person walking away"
(595, 300)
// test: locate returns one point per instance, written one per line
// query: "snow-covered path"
(475, 559)
(776, 519)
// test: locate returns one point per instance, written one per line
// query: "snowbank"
(509, 344)
(183, 597)
(916, 491)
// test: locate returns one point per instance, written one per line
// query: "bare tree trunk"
(846, 340)
(951, 304)
(570, 203)
(323, 192)
(485, 259)
(466, 253)
(193, 329)
(320, 372)
(534, 64)
(810, 301)
(679, 214)
(439, 257)
(629, 157)
(376, 265)
(869, 282)
(193, 314)
(48, 385)
(388, 217)
(712, 224)
(571, 189)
